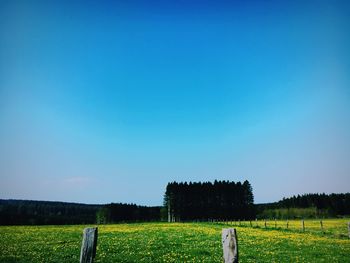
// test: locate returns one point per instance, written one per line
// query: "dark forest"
(221, 200)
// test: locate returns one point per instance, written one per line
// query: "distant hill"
(307, 205)
(24, 212)
(28, 212)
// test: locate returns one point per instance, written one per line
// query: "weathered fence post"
(250, 222)
(230, 245)
(287, 223)
(88, 247)
(349, 228)
(275, 223)
(303, 225)
(265, 223)
(321, 224)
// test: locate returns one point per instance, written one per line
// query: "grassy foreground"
(176, 242)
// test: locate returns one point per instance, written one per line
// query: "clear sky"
(108, 101)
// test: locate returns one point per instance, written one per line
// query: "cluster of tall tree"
(114, 213)
(307, 205)
(25, 212)
(202, 201)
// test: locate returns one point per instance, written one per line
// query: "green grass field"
(178, 242)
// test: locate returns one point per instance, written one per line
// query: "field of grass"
(178, 242)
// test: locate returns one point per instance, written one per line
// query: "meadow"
(180, 242)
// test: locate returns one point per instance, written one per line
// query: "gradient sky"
(108, 101)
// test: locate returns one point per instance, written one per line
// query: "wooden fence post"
(230, 245)
(88, 247)
(303, 225)
(321, 224)
(287, 223)
(275, 223)
(265, 223)
(349, 228)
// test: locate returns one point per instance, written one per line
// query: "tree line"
(183, 201)
(307, 206)
(221, 200)
(118, 212)
(27, 212)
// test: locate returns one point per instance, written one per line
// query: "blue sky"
(107, 101)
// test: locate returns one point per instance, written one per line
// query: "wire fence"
(333, 227)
